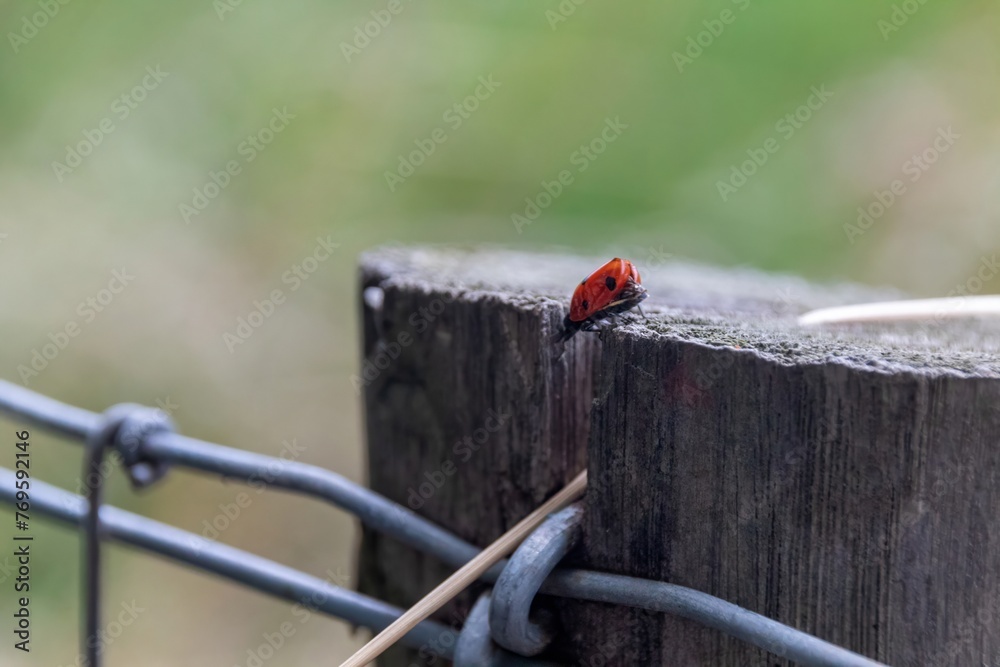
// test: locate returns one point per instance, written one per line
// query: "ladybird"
(610, 290)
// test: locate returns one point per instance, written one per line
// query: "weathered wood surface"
(844, 481)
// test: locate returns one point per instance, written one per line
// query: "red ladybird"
(610, 290)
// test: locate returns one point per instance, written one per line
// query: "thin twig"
(469, 572)
(911, 309)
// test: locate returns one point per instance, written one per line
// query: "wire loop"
(475, 647)
(531, 564)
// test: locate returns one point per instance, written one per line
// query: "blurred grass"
(654, 188)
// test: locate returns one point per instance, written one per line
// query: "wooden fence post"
(845, 483)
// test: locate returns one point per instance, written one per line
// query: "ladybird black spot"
(586, 304)
(610, 283)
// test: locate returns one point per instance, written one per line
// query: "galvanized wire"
(387, 517)
(229, 562)
(373, 510)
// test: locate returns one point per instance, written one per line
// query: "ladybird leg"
(639, 308)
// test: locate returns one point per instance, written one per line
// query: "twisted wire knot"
(523, 575)
(125, 428)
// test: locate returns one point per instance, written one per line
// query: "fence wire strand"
(379, 514)
(229, 562)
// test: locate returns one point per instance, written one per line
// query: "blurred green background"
(693, 85)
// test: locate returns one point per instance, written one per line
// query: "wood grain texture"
(473, 364)
(842, 481)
